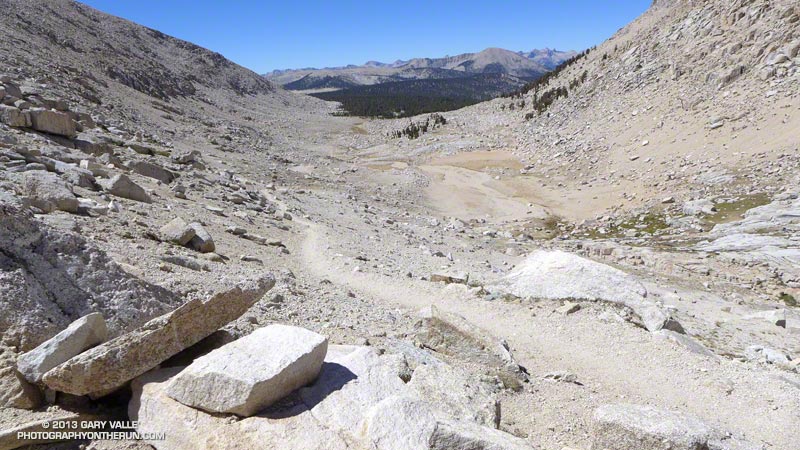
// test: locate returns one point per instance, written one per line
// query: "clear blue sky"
(267, 35)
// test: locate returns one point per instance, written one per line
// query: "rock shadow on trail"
(332, 377)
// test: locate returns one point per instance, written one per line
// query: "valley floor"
(364, 220)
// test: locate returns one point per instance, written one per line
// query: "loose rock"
(81, 335)
(251, 373)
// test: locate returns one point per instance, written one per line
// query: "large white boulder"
(251, 373)
(79, 336)
(184, 427)
(557, 275)
(625, 427)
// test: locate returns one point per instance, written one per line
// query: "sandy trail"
(615, 361)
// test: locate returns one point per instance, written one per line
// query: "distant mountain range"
(407, 88)
(522, 65)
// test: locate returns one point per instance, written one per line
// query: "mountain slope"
(164, 67)
(548, 58)
(194, 185)
(407, 88)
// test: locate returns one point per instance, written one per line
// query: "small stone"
(236, 231)
(447, 278)
(187, 262)
(185, 156)
(202, 240)
(122, 186)
(769, 355)
(177, 231)
(216, 210)
(150, 170)
(247, 258)
(562, 375)
(568, 308)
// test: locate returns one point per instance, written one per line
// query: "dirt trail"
(615, 361)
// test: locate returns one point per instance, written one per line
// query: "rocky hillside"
(122, 69)
(47, 38)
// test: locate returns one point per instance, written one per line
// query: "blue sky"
(294, 33)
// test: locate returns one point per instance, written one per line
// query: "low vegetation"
(416, 129)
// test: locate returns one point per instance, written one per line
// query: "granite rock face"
(47, 192)
(52, 277)
(453, 335)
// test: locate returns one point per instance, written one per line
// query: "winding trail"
(615, 361)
